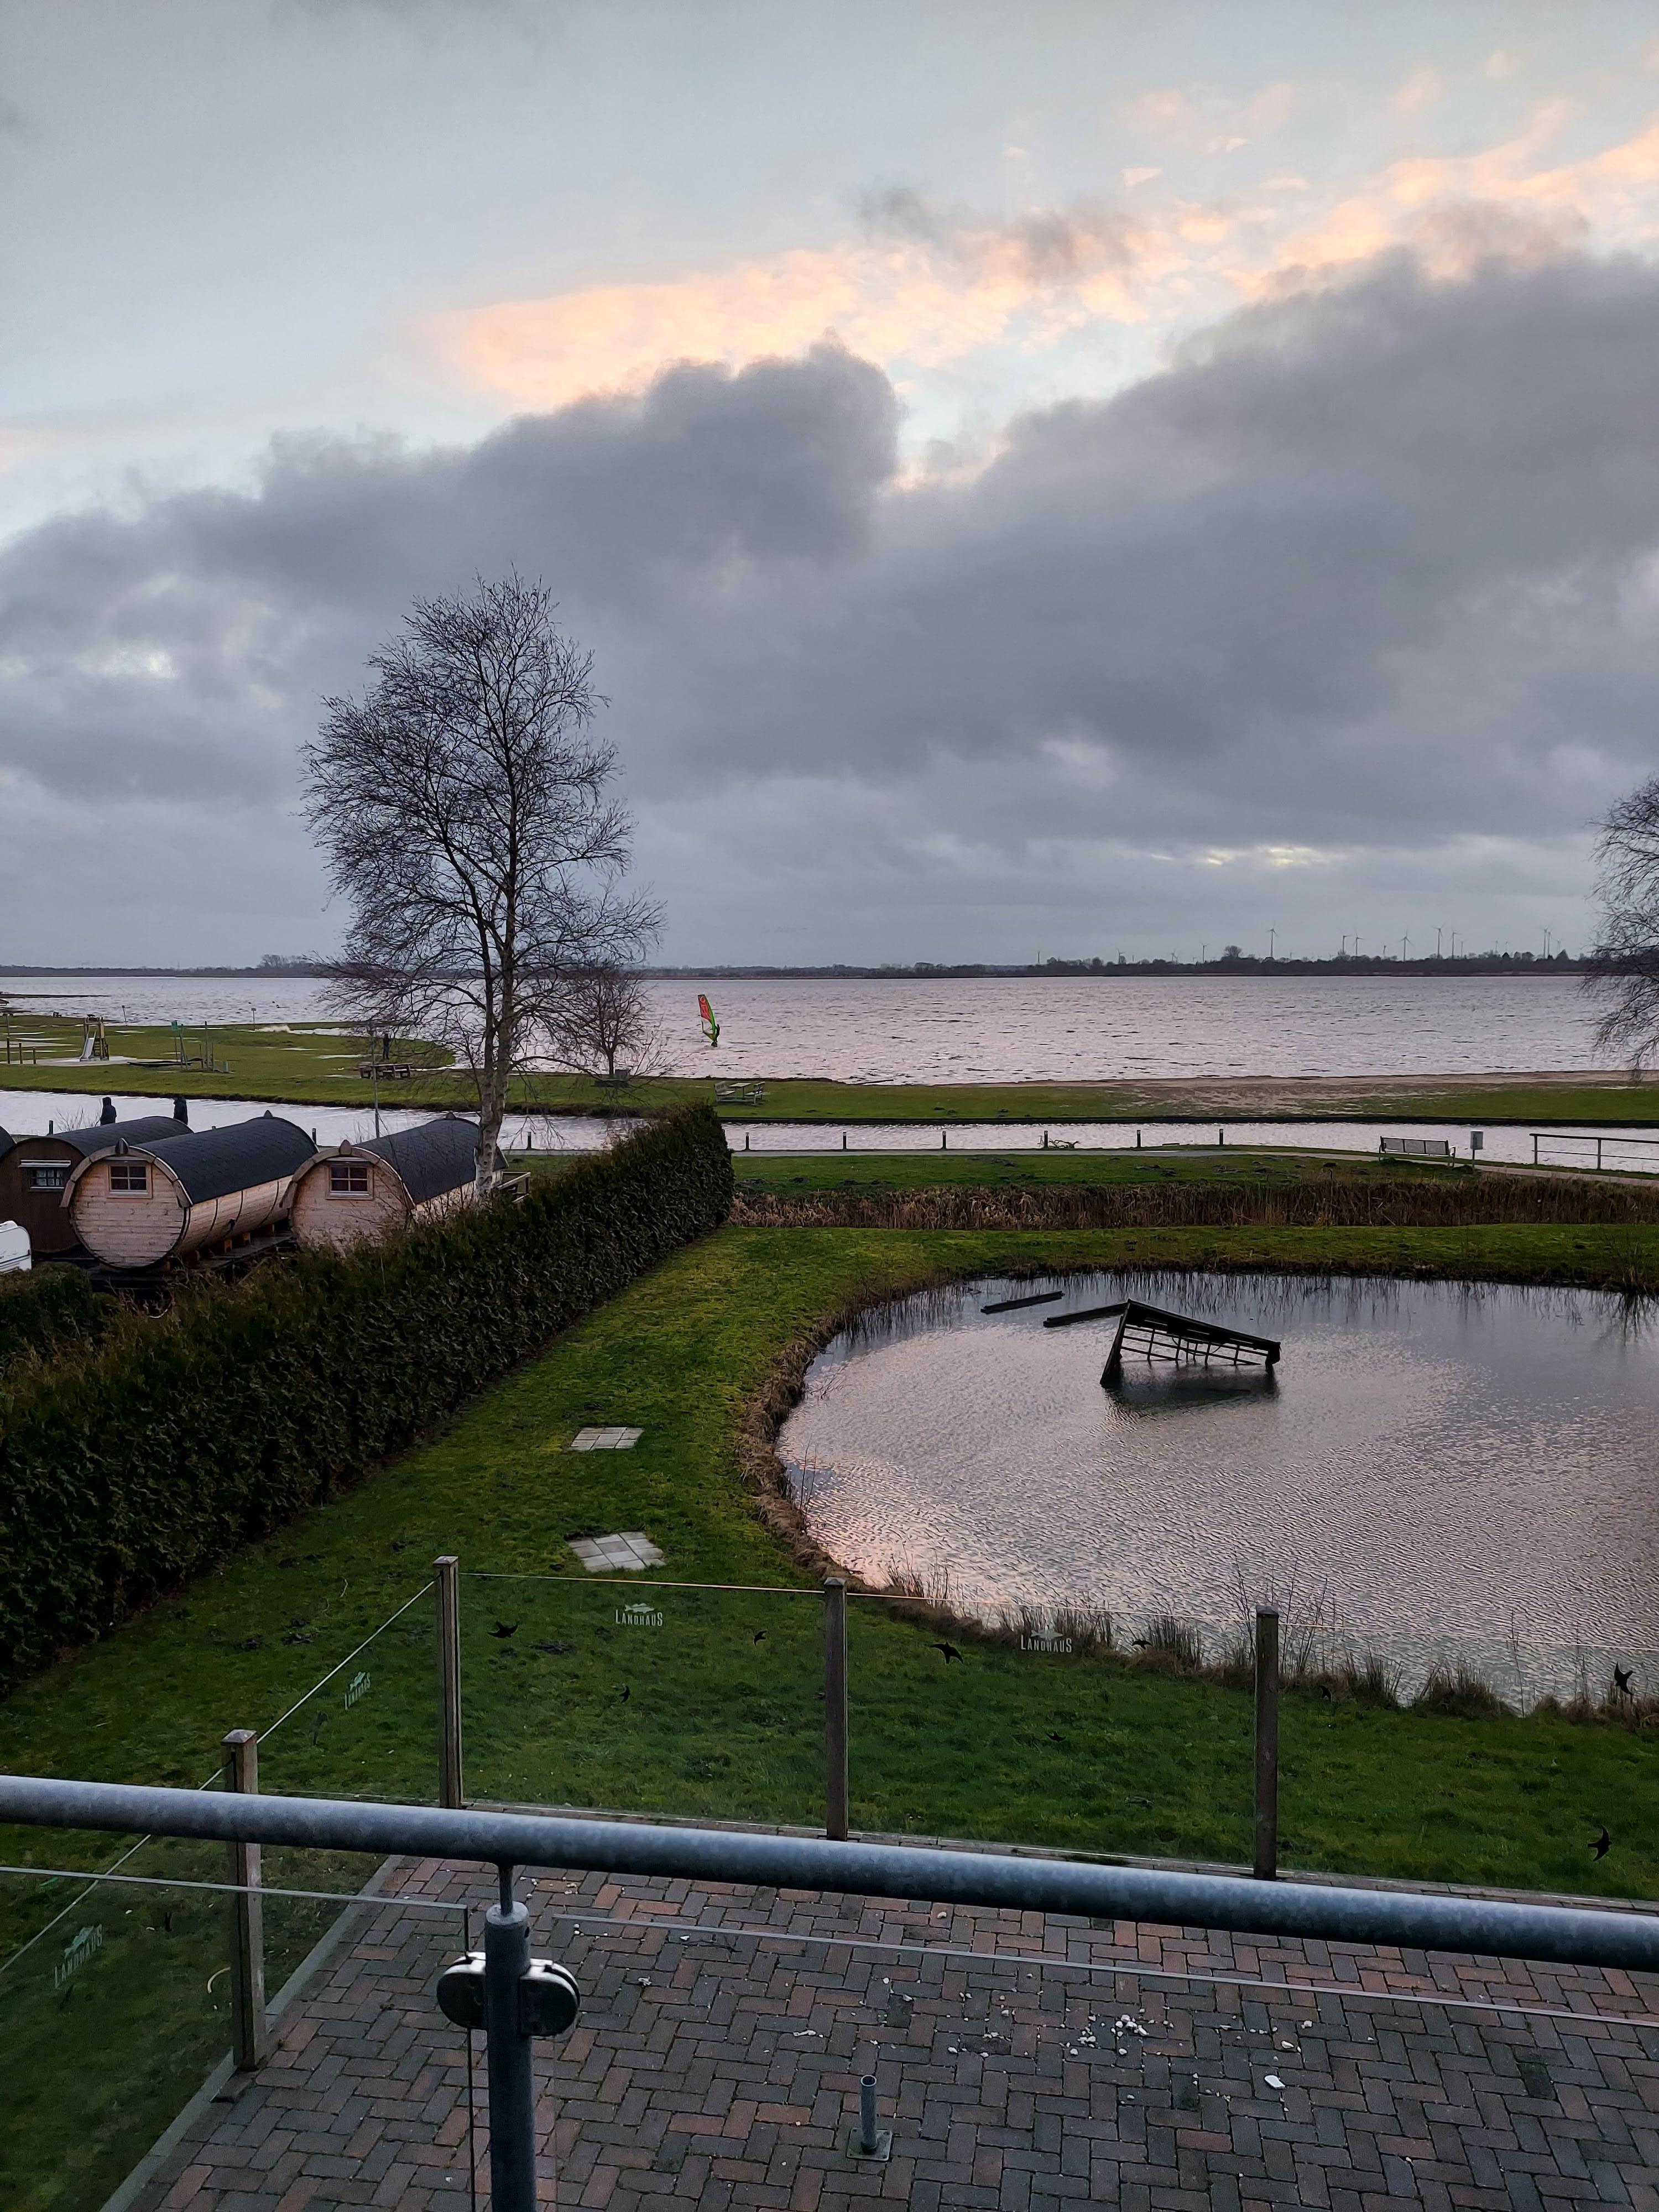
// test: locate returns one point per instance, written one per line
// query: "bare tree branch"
(602, 1015)
(465, 814)
(1624, 970)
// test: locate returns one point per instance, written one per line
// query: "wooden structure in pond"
(349, 1192)
(156, 1201)
(1149, 1333)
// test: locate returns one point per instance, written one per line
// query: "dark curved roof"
(215, 1161)
(436, 1157)
(144, 1130)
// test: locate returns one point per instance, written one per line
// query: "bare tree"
(603, 1014)
(466, 814)
(1624, 964)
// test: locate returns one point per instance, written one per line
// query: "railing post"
(1267, 1743)
(834, 1709)
(447, 1591)
(511, 2088)
(250, 2032)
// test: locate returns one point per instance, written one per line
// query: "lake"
(1055, 1029)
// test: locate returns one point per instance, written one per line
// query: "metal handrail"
(1490, 1927)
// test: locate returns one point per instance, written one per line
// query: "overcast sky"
(1041, 477)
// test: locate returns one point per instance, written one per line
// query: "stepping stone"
(613, 1439)
(625, 1553)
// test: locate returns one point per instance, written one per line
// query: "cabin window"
(347, 1178)
(44, 1175)
(130, 1178)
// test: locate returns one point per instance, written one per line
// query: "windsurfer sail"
(711, 1028)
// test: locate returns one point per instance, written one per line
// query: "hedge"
(51, 1311)
(128, 1469)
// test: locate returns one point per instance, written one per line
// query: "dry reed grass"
(1408, 1202)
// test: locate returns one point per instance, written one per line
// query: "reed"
(1409, 1202)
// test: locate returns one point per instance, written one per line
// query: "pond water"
(1437, 1470)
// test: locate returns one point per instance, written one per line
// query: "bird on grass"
(950, 1651)
(503, 1629)
(1621, 1680)
(760, 1636)
(625, 1694)
(1601, 1846)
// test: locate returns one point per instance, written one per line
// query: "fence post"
(834, 1709)
(250, 2032)
(1267, 1743)
(447, 1590)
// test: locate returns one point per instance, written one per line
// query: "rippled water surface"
(1444, 1462)
(1004, 1029)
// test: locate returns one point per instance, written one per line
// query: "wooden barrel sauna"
(139, 1205)
(350, 1192)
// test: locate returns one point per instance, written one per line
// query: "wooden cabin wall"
(124, 1231)
(238, 1213)
(43, 1214)
(320, 1217)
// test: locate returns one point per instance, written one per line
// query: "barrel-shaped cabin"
(35, 1173)
(180, 1198)
(348, 1192)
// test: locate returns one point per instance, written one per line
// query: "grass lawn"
(307, 1064)
(722, 1716)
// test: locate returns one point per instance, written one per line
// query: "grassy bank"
(682, 1354)
(878, 1174)
(316, 1065)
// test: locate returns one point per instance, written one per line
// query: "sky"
(1038, 479)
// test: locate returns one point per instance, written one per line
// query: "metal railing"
(1643, 1147)
(506, 1994)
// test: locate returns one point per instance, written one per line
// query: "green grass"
(1094, 1754)
(315, 1063)
(307, 1064)
(681, 1354)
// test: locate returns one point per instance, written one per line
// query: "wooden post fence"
(250, 2032)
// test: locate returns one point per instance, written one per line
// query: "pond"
(1433, 1471)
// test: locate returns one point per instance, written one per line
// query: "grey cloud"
(1369, 569)
(1052, 247)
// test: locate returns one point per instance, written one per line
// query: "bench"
(1416, 1148)
(739, 1094)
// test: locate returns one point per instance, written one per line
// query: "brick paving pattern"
(712, 2071)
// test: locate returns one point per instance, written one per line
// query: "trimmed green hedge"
(51, 1311)
(127, 1470)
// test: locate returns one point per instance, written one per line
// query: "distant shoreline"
(1485, 963)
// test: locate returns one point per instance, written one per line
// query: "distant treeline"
(1240, 963)
(1243, 963)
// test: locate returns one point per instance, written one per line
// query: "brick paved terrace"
(716, 2070)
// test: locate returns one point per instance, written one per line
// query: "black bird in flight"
(504, 1629)
(626, 1693)
(1621, 1680)
(950, 1651)
(1601, 1846)
(760, 1636)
